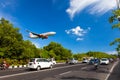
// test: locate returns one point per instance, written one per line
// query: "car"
(39, 63)
(85, 60)
(92, 61)
(52, 60)
(111, 60)
(104, 61)
(73, 61)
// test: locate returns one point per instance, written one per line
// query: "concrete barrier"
(17, 66)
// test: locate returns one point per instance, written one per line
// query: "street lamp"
(118, 4)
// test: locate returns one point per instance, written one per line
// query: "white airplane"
(42, 35)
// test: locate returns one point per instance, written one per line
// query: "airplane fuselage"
(43, 35)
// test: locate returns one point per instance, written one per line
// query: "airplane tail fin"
(30, 34)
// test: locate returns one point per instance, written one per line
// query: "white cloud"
(93, 6)
(79, 39)
(103, 6)
(78, 32)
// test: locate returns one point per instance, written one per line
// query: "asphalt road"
(115, 75)
(60, 72)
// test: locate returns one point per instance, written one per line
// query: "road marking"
(65, 73)
(36, 71)
(84, 68)
(111, 70)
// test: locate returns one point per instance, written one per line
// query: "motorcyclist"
(5, 65)
(96, 63)
(67, 61)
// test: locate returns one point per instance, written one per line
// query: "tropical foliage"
(93, 54)
(115, 19)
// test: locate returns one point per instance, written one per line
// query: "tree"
(12, 44)
(115, 18)
(98, 54)
(80, 56)
(58, 51)
(10, 39)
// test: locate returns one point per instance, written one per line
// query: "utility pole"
(118, 8)
(118, 4)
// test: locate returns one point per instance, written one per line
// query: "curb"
(25, 66)
(15, 66)
(22, 66)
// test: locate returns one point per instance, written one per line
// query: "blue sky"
(81, 25)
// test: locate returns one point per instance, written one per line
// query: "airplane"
(42, 35)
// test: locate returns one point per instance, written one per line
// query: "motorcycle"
(4, 66)
(96, 66)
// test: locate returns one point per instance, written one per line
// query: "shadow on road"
(101, 69)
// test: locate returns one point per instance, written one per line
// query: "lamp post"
(118, 4)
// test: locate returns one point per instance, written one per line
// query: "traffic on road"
(59, 71)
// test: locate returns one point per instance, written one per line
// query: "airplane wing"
(32, 33)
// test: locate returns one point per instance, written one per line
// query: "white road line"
(83, 68)
(111, 70)
(36, 71)
(65, 73)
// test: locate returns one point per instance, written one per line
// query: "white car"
(39, 63)
(104, 61)
(73, 61)
(85, 61)
(52, 60)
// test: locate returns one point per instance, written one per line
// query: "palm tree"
(115, 19)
